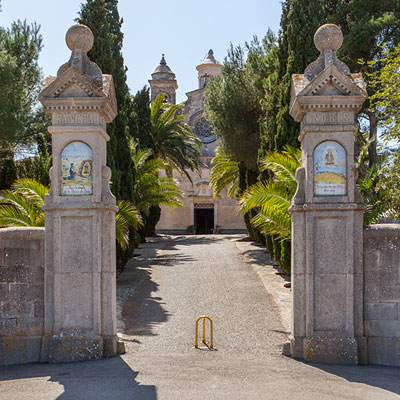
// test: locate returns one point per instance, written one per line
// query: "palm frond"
(31, 190)
(121, 231)
(271, 199)
(130, 213)
(224, 173)
(11, 216)
(283, 165)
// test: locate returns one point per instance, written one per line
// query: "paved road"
(191, 276)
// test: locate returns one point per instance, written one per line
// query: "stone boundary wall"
(382, 293)
(21, 294)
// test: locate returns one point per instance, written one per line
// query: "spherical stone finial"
(328, 36)
(79, 37)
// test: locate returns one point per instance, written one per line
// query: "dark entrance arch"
(204, 220)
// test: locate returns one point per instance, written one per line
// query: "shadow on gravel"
(107, 379)
(263, 258)
(172, 260)
(193, 240)
(142, 311)
(387, 378)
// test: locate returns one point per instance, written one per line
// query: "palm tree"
(224, 173)
(173, 140)
(150, 188)
(22, 206)
(127, 215)
(271, 198)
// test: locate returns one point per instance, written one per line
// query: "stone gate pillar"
(327, 211)
(80, 293)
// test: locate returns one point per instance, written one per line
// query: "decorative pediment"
(71, 83)
(80, 85)
(332, 82)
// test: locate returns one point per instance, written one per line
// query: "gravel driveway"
(171, 282)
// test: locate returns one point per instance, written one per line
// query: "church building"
(200, 210)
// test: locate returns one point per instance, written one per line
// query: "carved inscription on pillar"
(77, 118)
(329, 117)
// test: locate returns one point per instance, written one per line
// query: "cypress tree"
(102, 17)
(140, 130)
(296, 51)
(139, 119)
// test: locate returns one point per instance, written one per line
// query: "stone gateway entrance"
(58, 284)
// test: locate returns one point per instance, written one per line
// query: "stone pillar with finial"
(327, 211)
(80, 292)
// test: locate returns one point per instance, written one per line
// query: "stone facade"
(200, 209)
(21, 295)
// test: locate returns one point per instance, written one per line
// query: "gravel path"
(164, 289)
(198, 276)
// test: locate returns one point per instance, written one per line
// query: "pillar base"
(343, 351)
(66, 348)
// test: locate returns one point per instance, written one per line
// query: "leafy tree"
(173, 140)
(271, 200)
(385, 103)
(224, 173)
(127, 215)
(160, 129)
(102, 17)
(21, 120)
(150, 189)
(20, 78)
(386, 100)
(22, 206)
(232, 103)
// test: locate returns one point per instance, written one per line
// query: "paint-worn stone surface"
(382, 293)
(21, 294)
(327, 211)
(331, 350)
(80, 310)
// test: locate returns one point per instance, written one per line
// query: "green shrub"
(270, 245)
(277, 249)
(286, 255)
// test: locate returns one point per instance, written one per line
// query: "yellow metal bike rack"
(204, 317)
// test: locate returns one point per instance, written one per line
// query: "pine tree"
(21, 121)
(102, 17)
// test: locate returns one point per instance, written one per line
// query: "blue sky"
(182, 29)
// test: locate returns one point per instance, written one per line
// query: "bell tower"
(208, 67)
(163, 81)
